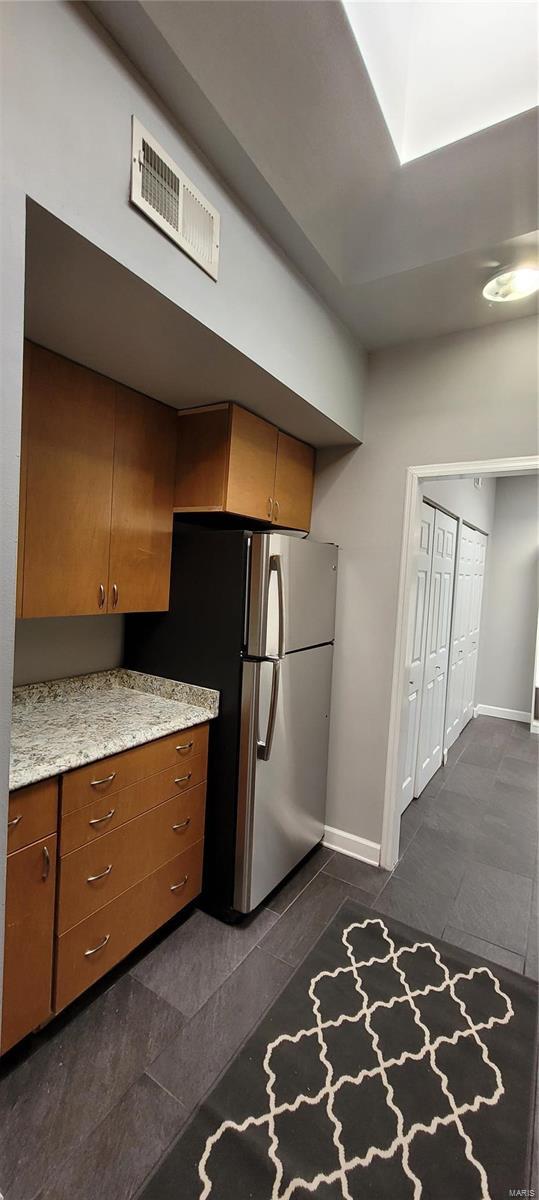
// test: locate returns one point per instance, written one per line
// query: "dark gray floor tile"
(411, 820)
(517, 772)
(429, 858)
(493, 905)
(360, 874)
(531, 966)
(416, 905)
(305, 920)
(53, 1100)
(189, 966)
(518, 804)
(519, 746)
(484, 754)
(118, 1155)
(192, 1062)
(438, 780)
(471, 780)
(289, 891)
(522, 729)
(504, 842)
(456, 812)
(496, 954)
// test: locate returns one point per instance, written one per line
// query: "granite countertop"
(69, 722)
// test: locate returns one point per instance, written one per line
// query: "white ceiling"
(280, 99)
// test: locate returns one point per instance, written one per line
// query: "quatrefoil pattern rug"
(392, 1065)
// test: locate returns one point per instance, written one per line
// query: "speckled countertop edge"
(67, 723)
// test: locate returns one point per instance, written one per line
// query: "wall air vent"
(172, 202)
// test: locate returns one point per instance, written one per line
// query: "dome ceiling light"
(512, 284)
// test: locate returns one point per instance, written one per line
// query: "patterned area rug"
(392, 1065)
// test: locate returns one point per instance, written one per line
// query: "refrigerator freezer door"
(282, 794)
(292, 594)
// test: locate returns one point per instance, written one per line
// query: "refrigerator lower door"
(292, 594)
(283, 769)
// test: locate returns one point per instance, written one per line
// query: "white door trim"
(414, 476)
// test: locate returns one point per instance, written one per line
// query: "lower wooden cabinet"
(28, 954)
(131, 833)
(95, 945)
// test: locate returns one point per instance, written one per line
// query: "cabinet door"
(31, 875)
(251, 466)
(294, 478)
(142, 503)
(69, 486)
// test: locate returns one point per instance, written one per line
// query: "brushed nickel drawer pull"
(184, 778)
(94, 878)
(14, 821)
(98, 820)
(114, 595)
(269, 509)
(107, 779)
(46, 863)
(101, 596)
(100, 946)
(186, 746)
(276, 510)
(176, 886)
(182, 824)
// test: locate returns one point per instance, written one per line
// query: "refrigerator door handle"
(264, 748)
(276, 564)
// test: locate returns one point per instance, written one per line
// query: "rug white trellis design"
(344, 1160)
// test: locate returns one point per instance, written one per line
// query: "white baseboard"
(507, 714)
(352, 845)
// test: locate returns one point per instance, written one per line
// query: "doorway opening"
(438, 636)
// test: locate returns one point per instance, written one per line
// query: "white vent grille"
(172, 202)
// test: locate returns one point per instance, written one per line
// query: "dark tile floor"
(89, 1106)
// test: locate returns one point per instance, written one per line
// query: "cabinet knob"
(114, 595)
(101, 596)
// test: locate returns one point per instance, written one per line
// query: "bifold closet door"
(465, 633)
(434, 689)
(415, 656)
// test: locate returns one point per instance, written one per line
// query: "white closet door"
(415, 656)
(431, 722)
(459, 636)
(474, 623)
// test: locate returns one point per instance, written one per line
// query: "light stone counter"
(69, 722)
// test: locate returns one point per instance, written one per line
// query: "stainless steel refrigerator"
(252, 614)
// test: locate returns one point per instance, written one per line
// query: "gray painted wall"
(57, 647)
(509, 614)
(67, 99)
(472, 504)
(458, 398)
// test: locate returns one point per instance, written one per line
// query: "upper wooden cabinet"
(97, 475)
(229, 460)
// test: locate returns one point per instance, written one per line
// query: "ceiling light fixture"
(512, 284)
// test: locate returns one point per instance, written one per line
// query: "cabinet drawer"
(105, 814)
(31, 880)
(98, 943)
(110, 775)
(92, 876)
(32, 814)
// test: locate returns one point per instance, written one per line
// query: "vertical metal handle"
(46, 863)
(269, 509)
(264, 748)
(276, 510)
(275, 564)
(101, 597)
(114, 595)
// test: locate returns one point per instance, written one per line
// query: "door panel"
(309, 581)
(474, 621)
(465, 634)
(284, 800)
(142, 500)
(30, 891)
(415, 656)
(294, 477)
(251, 465)
(431, 724)
(69, 486)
